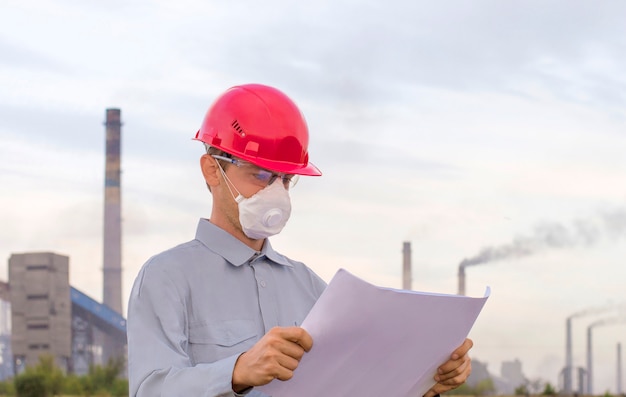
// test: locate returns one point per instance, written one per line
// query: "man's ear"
(210, 170)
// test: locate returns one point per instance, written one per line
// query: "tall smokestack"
(461, 279)
(581, 380)
(112, 257)
(619, 369)
(567, 375)
(590, 359)
(606, 321)
(406, 265)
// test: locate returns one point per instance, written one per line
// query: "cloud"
(371, 51)
(16, 56)
(359, 154)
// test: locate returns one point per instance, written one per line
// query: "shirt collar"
(228, 247)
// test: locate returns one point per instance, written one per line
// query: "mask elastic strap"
(239, 198)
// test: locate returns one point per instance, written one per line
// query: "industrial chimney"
(112, 256)
(406, 265)
(112, 247)
(619, 369)
(461, 290)
(567, 375)
(590, 357)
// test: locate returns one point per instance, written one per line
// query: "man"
(219, 315)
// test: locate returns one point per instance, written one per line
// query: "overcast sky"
(458, 126)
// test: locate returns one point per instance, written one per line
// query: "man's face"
(238, 178)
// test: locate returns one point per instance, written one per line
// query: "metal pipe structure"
(406, 266)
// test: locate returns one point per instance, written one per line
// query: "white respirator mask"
(266, 212)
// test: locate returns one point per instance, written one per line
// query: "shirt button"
(263, 283)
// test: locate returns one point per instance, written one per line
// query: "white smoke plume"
(550, 235)
(607, 321)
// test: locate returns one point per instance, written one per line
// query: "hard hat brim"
(287, 168)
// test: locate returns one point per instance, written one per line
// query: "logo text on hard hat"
(237, 127)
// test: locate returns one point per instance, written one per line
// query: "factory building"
(48, 316)
(40, 308)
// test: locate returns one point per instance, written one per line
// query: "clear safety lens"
(268, 177)
(263, 176)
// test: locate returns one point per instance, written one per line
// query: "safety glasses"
(261, 176)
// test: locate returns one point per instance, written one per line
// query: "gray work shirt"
(195, 308)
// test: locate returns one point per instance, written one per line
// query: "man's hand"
(275, 356)
(454, 372)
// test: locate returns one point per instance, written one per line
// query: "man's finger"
(463, 349)
(287, 362)
(291, 349)
(298, 335)
(453, 368)
(283, 373)
(449, 377)
(435, 390)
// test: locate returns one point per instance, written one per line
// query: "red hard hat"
(261, 125)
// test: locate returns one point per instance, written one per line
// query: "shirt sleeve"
(158, 363)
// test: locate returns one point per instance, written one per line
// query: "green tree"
(7, 388)
(46, 380)
(52, 374)
(30, 384)
(120, 388)
(102, 377)
(105, 380)
(548, 390)
(43, 379)
(483, 388)
(522, 390)
(73, 386)
(463, 390)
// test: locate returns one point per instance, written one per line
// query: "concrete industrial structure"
(112, 247)
(40, 309)
(112, 252)
(50, 317)
(461, 280)
(47, 314)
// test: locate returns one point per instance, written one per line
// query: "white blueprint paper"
(373, 341)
